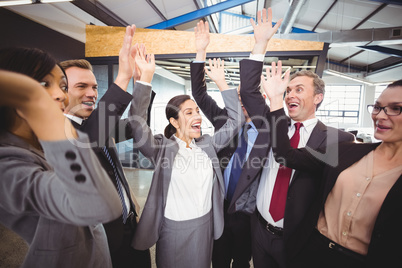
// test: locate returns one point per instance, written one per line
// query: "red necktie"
(278, 200)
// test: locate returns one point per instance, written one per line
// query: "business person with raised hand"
(183, 212)
(356, 220)
(282, 206)
(100, 124)
(53, 191)
(233, 248)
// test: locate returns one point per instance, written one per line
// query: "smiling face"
(301, 101)
(188, 125)
(55, 84)
(389, 128)
(82, 92)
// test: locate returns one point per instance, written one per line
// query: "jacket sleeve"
(303, 159)
(144, 140)
(70, 187)
(123, 130)
(251, 97)
(234, 122)
(216, 115)
(100, 125)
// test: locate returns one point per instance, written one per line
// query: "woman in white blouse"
(183, 212)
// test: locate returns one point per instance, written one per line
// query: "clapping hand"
(145, 63)
(126, 59)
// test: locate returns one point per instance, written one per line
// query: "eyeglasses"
(388, 110)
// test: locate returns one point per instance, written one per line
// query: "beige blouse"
(352, 206)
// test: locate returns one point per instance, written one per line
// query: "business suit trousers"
(268, 248)
(322, 252)
(126, 256)
(235, 242)
(185, 243)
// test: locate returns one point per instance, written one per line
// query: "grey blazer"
(162, 152)
(55, 201)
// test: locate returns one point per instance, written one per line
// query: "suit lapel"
(318, 135)
(171, 149)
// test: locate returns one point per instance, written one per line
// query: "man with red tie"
(285, 195)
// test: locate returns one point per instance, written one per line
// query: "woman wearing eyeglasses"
(356, 220)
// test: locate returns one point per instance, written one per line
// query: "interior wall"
(17, 30)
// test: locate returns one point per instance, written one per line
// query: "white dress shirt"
(270, 171)
(190, 189)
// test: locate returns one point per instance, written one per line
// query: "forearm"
(234, 122)
(284, 153)
(143, 138)
(201, 55)
(122, 82)
(276, 103)
(252, 99)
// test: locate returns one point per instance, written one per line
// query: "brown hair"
(80, 63)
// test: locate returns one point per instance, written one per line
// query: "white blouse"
(190, 190)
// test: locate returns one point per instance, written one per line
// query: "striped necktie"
(119, 185)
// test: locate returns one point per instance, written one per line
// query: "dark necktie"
(118, 183)
(278, 200)
(239, 157)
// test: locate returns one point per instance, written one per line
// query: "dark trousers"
(268, 248)
(121, 252)
(235, 242)
(322, 252)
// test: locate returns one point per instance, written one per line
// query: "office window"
(341, 105)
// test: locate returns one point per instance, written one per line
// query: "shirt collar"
(252, 126)
(183, 144)
(308, 124)
(76, 119)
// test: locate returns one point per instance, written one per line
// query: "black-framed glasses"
(388, 110)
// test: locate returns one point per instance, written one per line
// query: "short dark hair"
(32, 62)
(172, 110)
(319, 84)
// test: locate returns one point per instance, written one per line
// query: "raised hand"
(145, 63)
(217, 73)
(263, 30)
(126, 59)
(201, 32)
(274, 86)
(137, 72)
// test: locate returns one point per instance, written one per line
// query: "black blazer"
(385, 247)
(303, 188)
(100, 127)
(245, 193)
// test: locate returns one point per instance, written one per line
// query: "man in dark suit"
(235, 243)
(281, 207)
(100, 123)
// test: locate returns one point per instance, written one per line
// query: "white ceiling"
(345, 15)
